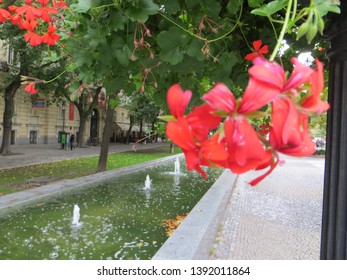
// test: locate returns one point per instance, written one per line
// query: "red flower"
(50, 38)
(46, 11)
(17, 19)
(29, 25)
(59, 5)
(258, 50)
(30, 12)
(178, 100)
(266, 82)
(33, 38)
(30, 88)
(312, 102)
(4, 15)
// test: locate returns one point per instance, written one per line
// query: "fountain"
(120, 219)
(148, 183)
(177, 166)
(76, 215)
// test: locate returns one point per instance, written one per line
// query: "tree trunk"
(10, 92)
(82, 125)
(172, 148)
(105, 141)
(128, 132)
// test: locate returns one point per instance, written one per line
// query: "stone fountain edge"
(16, 200)
(194, 238)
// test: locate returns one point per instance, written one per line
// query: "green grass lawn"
(14, 179)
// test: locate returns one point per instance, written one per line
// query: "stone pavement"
(279, 219)
(23, 155)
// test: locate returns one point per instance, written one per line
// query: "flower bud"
(311, 33)
(303, 30)
(320, 25)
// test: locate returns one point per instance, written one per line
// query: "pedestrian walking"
(72, 140)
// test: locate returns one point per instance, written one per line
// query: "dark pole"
(334, 221)
(63, 109)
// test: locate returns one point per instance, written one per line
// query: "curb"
(15, 200)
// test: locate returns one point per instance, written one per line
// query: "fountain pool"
(116, 219)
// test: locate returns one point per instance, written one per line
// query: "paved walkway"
(280, 219)
(23, 155)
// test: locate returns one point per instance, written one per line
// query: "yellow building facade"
(37, 121)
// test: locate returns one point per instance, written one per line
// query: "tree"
(29, 63)
(141, 108)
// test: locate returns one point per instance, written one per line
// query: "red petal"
(193, 162)
(313, 103)
(178, 100)
(214, 149)
(285, 126)
(257, 44)
(267, 173)
(300, 75)
(201, 121)
(251, 56)
(221, 98)
(30, 88)
(264, 49)
(245, 149)
(268, 72)
(256, 96)
(180, 133)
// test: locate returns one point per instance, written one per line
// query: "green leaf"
(212, 7)
(94, 37)
(167, 118)
(172, 6)
(82, 6)
(123, 55)
(171, 43)
(117, 21)
(270, 8)
(173, 56)
(194, 49)
(53, 57)
(114, 102)
(324, 6)
(234, 6)
(254, 3)
(192, 3)
(142, 9)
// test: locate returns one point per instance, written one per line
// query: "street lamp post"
(334, 221)
(63, 108)
(63, 135)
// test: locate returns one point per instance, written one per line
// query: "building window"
(10, 56)
(33, 137)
